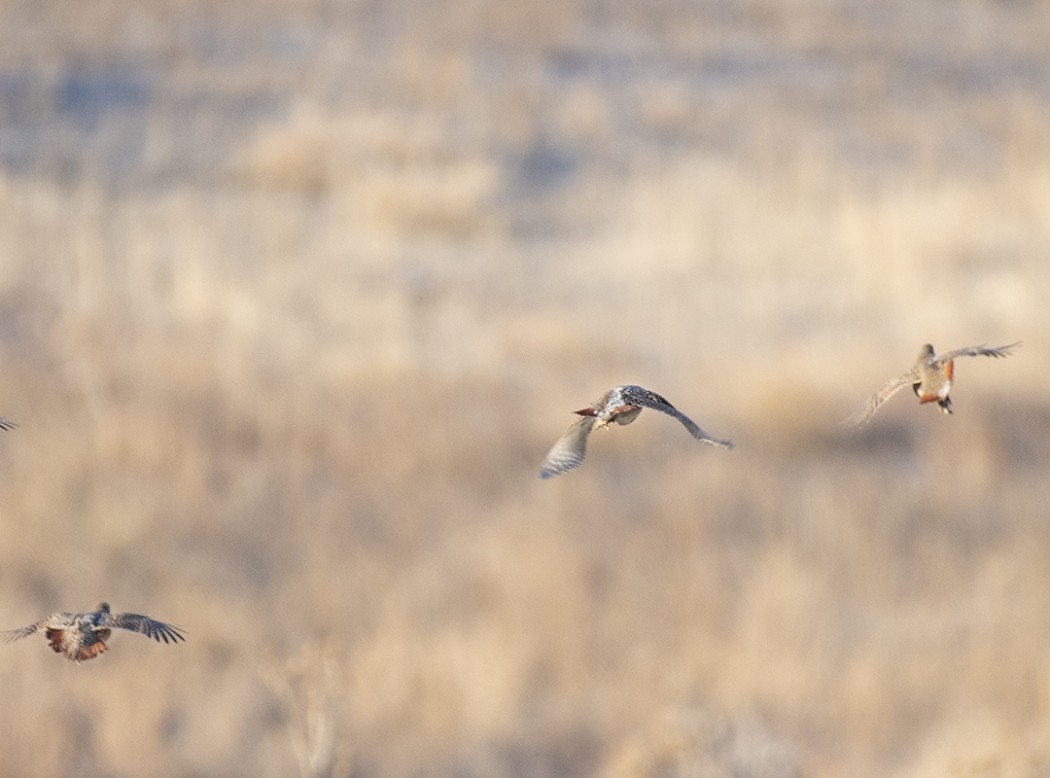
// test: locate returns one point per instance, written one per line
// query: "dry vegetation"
(295, 296)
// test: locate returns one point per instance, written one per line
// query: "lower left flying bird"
(83, 636)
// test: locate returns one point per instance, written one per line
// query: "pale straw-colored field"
(294, 298)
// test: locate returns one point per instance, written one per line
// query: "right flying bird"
(930, 378)
(622, 405)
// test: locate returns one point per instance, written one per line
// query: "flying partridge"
(931, 379)
(83, 636)
(621, 405)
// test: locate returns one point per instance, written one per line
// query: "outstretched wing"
(891, 387)
(60, 620)
(6, 424)
(157, 630)
(568, 452)
(14, 634)
(635, 395)
(978, 351)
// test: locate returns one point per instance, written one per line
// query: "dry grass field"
(295, 296)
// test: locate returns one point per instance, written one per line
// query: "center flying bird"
(621, 405)
(83, 636)
(930, 378)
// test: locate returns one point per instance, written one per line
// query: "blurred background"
(295, 296)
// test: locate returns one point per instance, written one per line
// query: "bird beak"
(585, 412)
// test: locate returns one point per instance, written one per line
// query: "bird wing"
(7, 424)
(648, 399)
(568, 452)
(890, 388)
(135, 622)
(14, 634)
(977, 351)
(54, 621)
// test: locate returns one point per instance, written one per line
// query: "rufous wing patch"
(90, 652)
(56, 637)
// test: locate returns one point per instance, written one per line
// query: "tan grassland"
(295, 296)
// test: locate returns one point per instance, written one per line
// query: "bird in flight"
(930, 378)
(621, 405)
(83, 636)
